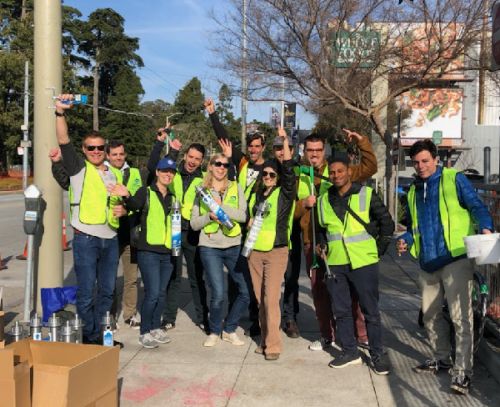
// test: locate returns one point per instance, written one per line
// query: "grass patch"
(12, 184)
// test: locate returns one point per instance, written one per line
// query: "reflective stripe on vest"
(305, 189)
(242, 180)
(231, 199)
(455, 220)
(158, 226)
(267, 234)
(96, 207)
(348, 240)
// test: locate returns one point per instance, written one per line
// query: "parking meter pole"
(28, 286)
(47, 82)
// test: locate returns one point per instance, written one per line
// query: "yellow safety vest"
(242, 180)
(231, 199)
(455, 220)
(187, 199)
(158, 226)
(305, 188)
(267, 234)
(96, 208)
(348, 240)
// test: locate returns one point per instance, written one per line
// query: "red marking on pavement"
(205, 394)
(151, 389)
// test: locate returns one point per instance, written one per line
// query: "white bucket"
(484, 248)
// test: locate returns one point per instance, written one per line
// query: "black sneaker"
(432, 366)
(460, 383)
(168, 326)
(380, 365)
(344, 360)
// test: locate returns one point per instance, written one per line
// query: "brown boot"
(292, 329)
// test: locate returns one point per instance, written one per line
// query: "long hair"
(208, 180)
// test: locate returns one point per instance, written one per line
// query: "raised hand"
(61, 106)
(175, 144)
(352, 136)
(55, 154)
(226, 147)
(162, 134)
(209, 105)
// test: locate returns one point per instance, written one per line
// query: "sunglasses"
(92, 148)
(219, 164)
(270, 174)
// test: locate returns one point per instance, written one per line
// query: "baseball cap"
(278, 141)
(166, 163)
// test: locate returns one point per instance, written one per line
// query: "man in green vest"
(357, 228)
(94, 218)
(188, 176)
(131, 178)
(442, 208)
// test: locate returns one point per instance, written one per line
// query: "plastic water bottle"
(214, 207)
(176, 228)
(36, 328)
(258, 220)
(77, 100)
(67, 334)
(78, 329)
(17, 332)
(107, 329)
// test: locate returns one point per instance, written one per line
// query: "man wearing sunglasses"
(94, 218)
(188, 176)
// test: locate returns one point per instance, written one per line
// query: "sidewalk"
(184, 373)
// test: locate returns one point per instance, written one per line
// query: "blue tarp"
(55, 299)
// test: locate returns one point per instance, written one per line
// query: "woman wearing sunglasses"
(269, 258)
(219, 247)
(154, 254)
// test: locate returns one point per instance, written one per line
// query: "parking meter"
(31, 224)
(32, 212)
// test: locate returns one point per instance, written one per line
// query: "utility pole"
(47, 81)
(244, 82)
(282, 101)
(25, 144)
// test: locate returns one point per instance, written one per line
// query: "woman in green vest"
(269, 256)
(154, 245)
(219, 246)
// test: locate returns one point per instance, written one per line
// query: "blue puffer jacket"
(433, 252)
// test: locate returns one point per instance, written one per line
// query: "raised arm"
(368, 165)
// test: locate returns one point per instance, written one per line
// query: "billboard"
(355, 47)
(432, 112)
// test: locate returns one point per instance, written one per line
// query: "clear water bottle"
(77, 100)
(36, 328)
(214, 207)
(176, 228)
(258, 220)
(107, 329)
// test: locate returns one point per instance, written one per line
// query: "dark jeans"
(364, 281)
(95, 261)
(291, 293)
(195, 276)
(213, 262)
(156, 270)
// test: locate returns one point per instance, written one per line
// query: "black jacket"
(381, 222)
(285, 201)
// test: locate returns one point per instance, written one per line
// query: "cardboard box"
(14, 380)
(67, 374)
(2, 329)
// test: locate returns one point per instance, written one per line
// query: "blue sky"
(174, 39)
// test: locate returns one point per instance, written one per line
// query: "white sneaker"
(232, 338)
(320, 344)
(160, 336)
(147, 341)
(211, 340)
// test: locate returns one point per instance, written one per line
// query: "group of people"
(255, 217)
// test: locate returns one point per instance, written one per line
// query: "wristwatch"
(59, 114)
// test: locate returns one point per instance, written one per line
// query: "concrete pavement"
(184, 373)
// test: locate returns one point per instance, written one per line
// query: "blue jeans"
(95, 260)
(213, 261)
(156, 269)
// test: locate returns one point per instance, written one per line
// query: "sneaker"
(364, 345)
(320, 344)
(344, 360)
(460, 383)
(272, 356)
(132, 322)
(168, 326)
(380, 365)
(160, 336)
(147, 341)
(260, 350)
(292, 329)
(232, 338)
(432, 366)
(211, 340)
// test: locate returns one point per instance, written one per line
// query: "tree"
(107, 47)
(189, 103)
(344, 52)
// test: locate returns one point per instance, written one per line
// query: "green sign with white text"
(355, 48)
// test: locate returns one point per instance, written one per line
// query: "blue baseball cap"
(166, 163)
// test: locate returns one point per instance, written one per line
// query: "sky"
(174, 43)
